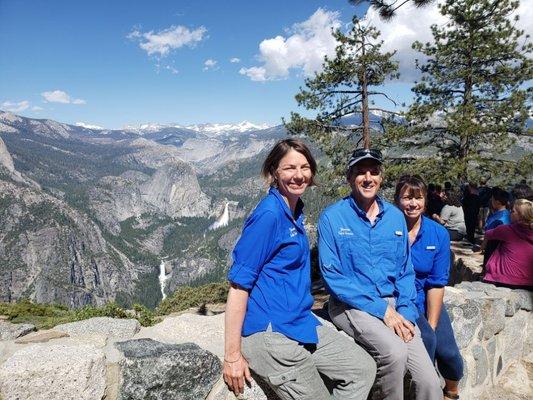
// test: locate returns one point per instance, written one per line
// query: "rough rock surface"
(101, 325)
(159, 371)
(9, 331)
(42, 372)
(206, 332)
(52, 253)
(41, 337)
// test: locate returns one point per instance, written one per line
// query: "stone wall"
(117, 359)
(494, 330)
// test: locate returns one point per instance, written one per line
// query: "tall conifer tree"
(471, 102)
(345, 88)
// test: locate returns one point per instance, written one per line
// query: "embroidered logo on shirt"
(293, 231)
(345, 232)
(398, 233)
(430, 247)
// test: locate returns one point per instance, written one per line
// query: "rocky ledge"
(180, 358)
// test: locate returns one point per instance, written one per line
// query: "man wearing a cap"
(364, 257)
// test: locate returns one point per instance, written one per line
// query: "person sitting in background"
(471, 211)
(430, 253)
(485, 194)
(500, 216)
(452, 216)
(510, 265)
(435, 202)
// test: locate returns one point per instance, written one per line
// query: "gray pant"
(393, 356)
(293, 371)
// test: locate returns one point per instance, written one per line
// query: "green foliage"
(471, 96)
(186, 297)
(145, 316)
(345, 87)
(45, 316)
(109, 310)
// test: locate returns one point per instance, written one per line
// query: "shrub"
(186, 297)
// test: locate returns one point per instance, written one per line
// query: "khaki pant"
(393, 356)
(293, 370)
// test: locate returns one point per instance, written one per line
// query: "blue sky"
(116, 63)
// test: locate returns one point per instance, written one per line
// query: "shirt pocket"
(387, 253)
(354, 255)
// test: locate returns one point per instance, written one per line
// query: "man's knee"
(391, 355)
(427, 382)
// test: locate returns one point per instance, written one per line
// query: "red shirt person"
(511, 263)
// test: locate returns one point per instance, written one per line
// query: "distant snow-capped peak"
(207, 129)
(88, 126)
(243, 126)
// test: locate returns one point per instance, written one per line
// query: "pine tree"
(471, 103)
(387, 8)
(345, 87)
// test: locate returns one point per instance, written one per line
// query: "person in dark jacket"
(471, 211)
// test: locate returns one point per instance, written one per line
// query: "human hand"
(398, 324)
(235, 372)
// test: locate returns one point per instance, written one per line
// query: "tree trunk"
(364, 98)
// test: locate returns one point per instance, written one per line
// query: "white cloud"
(37, 108)
(304, 49)
(15, 107)
(210, 64)
(411, 23)
(59, 96)
(258, 74)
(234, 60)
(88, 126)
(162, 42)
(170, 68)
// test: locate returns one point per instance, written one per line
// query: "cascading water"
(223, 220)
(162, 278)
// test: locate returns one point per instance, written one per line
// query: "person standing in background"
(485, 194)
(471, 211)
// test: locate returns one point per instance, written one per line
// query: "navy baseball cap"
(365, 154)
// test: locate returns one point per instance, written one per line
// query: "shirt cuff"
(409, 313)
(242, 276)
(377, 308)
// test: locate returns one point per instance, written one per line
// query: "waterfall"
(223, 220)
(162, 278)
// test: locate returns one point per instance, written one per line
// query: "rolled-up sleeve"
(338, 281)
(254, 248)
(502, 232)
(440, 271)
(405, 285)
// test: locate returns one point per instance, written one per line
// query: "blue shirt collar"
(285, 207)
(362, 213)
(422, 229)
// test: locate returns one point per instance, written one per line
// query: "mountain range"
(90, 213)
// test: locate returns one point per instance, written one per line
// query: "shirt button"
(283, 378)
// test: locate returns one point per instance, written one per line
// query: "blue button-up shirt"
(500, 217)
(430, 253)
(363, 263)
(271, 260)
